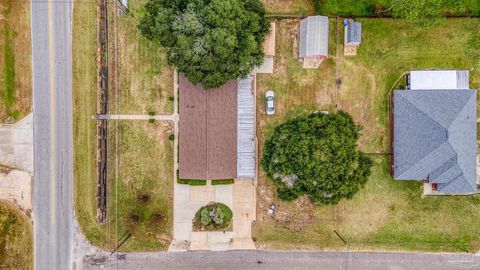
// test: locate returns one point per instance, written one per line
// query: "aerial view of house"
(240, 134)
(435, 132)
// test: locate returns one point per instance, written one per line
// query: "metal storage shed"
(313, 37)
(353, 33)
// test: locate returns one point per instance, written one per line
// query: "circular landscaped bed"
(213, 217)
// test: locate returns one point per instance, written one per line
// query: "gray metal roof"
(353, 33)
(435, 138)
(313, 37)
(245, 128)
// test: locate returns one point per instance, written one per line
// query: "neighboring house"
(353, 36)
(313, 45)
(434, 132)
(269, 52)
(216, 130)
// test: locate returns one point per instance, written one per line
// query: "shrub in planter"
(212, 217)
(205, 217)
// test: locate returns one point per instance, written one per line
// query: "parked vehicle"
(270, 102)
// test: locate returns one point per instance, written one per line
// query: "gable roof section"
(207, 131)
(435, 138)
(313, 37)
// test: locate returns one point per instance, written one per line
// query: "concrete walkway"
(16, 152)
(16, 144)
(162, 117)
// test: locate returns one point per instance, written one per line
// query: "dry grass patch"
(16, 238)
(289, 6)
(15, 59)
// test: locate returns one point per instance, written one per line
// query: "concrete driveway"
(240, 197)
(16, 144)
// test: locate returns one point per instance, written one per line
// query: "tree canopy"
(211, 41)
(316, 155)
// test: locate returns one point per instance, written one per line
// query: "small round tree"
(211, 41)
(316, 155)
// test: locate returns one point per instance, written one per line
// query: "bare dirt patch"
(16, 188)
(288, 6)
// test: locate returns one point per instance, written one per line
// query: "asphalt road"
(52, 132)
(267, 260)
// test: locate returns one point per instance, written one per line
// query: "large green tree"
(316, 155)
(211, 41)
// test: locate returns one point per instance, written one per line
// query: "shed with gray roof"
(353, 33)
(313, 37)
(434, 138)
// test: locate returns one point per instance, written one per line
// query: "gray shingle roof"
(313, 37)
(435, 138)
(353, 33)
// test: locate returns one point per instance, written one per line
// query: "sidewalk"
(16, 144)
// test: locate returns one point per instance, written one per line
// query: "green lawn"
(16, 238)
(145, 78)
(84, 128)
(141, 200)
(361, 8)
(386, 214)
(15, 59)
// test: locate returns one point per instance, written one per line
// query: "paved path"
(52, 129)
(242, 260)
(169, 117)
(16, 144)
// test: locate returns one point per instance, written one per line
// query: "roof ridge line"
(426, 114)
(420, 160)
(463, 108)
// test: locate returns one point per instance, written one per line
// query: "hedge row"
(222, 182)
(192, 182)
